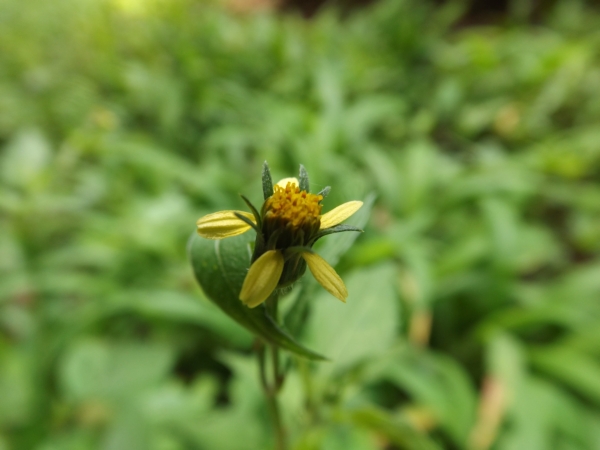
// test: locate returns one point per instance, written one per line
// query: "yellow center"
(294, 206)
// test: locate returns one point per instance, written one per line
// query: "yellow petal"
(326, 275)
(223, 224)
(339, 214)
(283, 183)
(262, 278)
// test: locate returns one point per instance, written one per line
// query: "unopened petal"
(283, 183)
(326, 275)
(262, 278)
(339, 214)
(223, 224)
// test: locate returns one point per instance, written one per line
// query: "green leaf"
(438, 383)
(400, 433)
(240, 415)
(360, 329)
(16, 388)
(25, 158)
(128, 430)
(185, 308)
(93, 368)
(338, 436)
(220, 268)
(577, 370)
(529, 422)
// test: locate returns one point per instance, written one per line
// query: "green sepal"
(335, 229)
(267, 181)
(248, 221)
(298, 249)
(293, 269)
(220, 267)
(303, 179)
(325, 191)
(255, 212)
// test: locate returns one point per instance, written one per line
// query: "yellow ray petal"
(326, 275)
(283, 183)
(339, 214)
(262, 278)
(223, 224)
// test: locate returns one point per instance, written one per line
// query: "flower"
(288, 225)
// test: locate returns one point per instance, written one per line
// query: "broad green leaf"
(16, 383)
(25, 158)
(505, 361)
(75, 439)
(338, 437)
(400, 433)
(435, 382)
(96, 369)
(185, 308)
(176, 402)
(576, 369)
(216, 425)
(128, 430)
(220, 267)
(365, 326)
(530, 415)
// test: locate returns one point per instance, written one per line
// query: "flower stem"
(310, 403)
(271, 388)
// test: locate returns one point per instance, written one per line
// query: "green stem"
(271, 389)
(310, 404)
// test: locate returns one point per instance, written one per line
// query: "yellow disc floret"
(293, 207)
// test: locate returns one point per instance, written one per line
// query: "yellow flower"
(288, 225)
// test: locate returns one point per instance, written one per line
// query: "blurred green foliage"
(473, 320)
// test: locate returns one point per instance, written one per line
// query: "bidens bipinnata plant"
(288, 225)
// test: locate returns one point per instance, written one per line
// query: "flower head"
(288, 225)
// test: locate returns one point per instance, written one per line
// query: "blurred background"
(473, 320)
